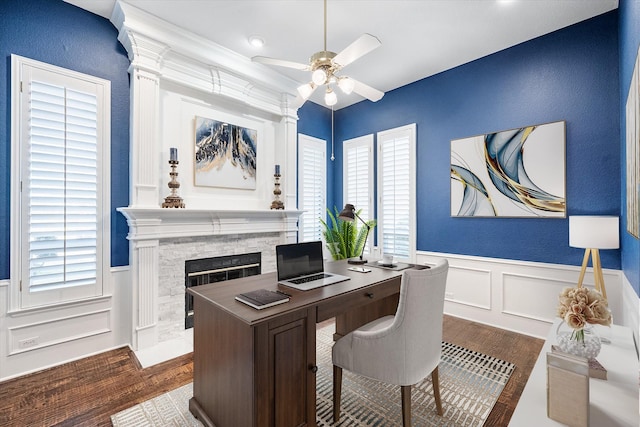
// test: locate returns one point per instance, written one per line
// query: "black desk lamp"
(349, 214)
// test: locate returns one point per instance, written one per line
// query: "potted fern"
(344, 239)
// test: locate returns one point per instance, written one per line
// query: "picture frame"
(517, 173)
(225, 155)
(632, 121)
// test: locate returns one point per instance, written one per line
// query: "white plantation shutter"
(358, 178)
(312, 187)
(61, 202)
(396, 192)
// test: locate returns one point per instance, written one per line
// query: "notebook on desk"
(300, 266)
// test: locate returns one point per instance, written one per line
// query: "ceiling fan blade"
(280, 63)
(363, 45)
(367, 91)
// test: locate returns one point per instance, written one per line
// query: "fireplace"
(217, 269)
(162, 240)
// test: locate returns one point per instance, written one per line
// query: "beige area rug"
(470, 384)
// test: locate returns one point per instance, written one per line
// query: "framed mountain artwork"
(225, 155)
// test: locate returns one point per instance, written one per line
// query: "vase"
(583, 342)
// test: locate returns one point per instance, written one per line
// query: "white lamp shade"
(330, 97)
(595, 232)
(346, 84)
(319, 76)
(306, 90)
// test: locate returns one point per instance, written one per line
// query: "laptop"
(300, 266)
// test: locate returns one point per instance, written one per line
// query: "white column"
(144, 278)
(287, 150)
(146, 57)
(144, 138)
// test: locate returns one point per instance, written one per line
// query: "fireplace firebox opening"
(217, 269)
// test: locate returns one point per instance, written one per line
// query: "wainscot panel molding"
(39, 338)
(522, 295)
(478, 295)
(631, 310)
(57, 331)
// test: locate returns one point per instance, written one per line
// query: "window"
(396, 192)
(358, 178)
(60, 167)
(312, 187)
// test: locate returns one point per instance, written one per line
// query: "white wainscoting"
(36, 335)
(631, 310)
(522, 296)
(37, 339)
(478, 295)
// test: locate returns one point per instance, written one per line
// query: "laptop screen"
(298, 259)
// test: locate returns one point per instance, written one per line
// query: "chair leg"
(405, 392)
(436, 390)
(337, 392)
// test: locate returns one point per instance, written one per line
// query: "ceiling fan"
(325, 64)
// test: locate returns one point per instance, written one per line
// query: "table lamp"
(349, 214)
(593, 233)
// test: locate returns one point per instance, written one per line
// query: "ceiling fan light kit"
(319, 76)
(346, 84)
(325, 64)
(306, 90)
(330, 98)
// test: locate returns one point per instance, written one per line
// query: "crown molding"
(177, 55)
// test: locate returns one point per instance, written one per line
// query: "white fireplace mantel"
(151, 229)
(162, 223)
(174, 70)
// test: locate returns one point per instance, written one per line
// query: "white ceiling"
(419, 38)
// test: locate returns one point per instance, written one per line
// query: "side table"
(613, 402)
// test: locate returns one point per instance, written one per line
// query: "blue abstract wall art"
(225, 155)
(512, 173)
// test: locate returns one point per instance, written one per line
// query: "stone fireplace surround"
(161, 240)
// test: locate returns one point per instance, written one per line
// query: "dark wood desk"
(257, 367)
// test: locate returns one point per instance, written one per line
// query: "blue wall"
(571, 75)
(629, 41)
(64, 35)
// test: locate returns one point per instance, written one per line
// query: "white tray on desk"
(613, 402)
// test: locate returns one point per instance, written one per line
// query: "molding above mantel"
(177, 55)
(159, 223)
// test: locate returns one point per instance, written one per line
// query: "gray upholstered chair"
(401, 349)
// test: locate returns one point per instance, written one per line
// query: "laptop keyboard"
(309, 278)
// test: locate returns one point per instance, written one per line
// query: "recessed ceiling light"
(256, 41)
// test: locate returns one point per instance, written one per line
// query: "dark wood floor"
(87, 392)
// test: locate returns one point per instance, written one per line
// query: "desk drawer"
(361, 297)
